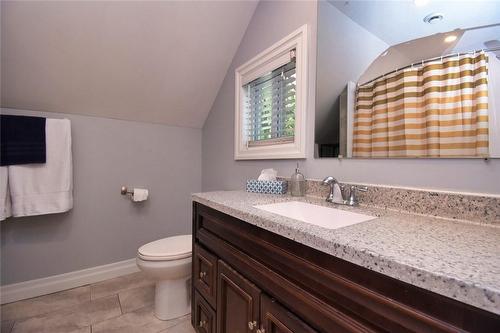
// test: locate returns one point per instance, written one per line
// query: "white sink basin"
(325, 217)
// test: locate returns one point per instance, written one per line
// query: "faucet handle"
(360, 188)
(353, 198)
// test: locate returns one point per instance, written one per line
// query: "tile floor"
(123, 304)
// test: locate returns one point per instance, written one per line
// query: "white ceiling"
(398, 21)
(414, 51)
(160, 62)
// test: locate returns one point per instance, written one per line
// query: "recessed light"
(433, 18)
(420, 3)
(450, 39)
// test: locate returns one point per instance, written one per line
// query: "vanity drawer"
(204, 319)
(205, 274)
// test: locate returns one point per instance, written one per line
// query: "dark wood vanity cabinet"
(205, 274)
(203, 316)
(275, 318)
(243, 307)
(249, 280)
(238, 302)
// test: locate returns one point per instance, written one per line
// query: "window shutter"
(270, 107)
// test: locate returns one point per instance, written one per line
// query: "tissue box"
(267, 186)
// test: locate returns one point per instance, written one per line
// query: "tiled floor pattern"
(123, 304)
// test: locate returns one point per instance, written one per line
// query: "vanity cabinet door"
(204, 319)
(277, 319)
(237, 302)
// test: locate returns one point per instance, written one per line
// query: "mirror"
(408, 79)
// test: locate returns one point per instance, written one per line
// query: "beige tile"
(77, 318)
(52, 329)
(141, 320)
(133, 299)
(7, 326)
(45, 304)
(114, 286)
(183, 327)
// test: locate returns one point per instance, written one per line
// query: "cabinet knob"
(203, 274)
(252, 325)
(202, 323)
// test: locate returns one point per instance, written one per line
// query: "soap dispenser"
(297, 183)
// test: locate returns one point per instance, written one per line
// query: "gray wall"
(272, 21)
(105, 227)
(335, 28)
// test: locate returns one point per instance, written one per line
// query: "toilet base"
(172, 298)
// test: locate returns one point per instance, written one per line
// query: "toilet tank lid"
(174, 247)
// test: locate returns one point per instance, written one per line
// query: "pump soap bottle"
(297, 183)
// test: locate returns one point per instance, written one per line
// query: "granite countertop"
(456, 259)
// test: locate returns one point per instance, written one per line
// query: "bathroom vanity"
(254, 271)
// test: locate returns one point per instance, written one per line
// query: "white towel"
(37, 189)
(5, 207)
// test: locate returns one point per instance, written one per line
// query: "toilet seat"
(166, 249)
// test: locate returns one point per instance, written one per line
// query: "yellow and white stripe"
(439, 109)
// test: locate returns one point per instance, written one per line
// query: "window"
(270, 101)
(270, 107)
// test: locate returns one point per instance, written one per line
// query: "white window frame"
(261, 64)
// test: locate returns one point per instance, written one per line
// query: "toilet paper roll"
(140, 194)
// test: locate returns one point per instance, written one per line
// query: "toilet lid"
(170, 248)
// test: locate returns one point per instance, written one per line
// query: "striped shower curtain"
(438, 109)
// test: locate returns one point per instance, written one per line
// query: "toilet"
(168, 261)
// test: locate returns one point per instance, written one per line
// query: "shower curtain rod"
(429, 60)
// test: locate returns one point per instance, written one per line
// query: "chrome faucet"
(330, 181)
(352, 198)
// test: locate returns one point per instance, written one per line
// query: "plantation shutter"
(270, 107)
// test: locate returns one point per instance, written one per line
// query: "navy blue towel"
(22, 140)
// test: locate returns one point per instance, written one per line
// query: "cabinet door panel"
(237, 302)
(203, 315)
(205, 274)
(277, 319)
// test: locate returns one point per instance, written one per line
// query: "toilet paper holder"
(125, 190)
(135, 194)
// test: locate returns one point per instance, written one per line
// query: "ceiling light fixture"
(450, 39)
(421, 3)
(433, 18)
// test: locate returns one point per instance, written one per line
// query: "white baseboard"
(33, 288)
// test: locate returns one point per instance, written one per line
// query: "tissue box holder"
(267, 186)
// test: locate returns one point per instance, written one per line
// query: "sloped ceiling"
(160, 62)
(399, 21)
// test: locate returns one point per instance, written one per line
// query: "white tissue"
(140, 194)
(268, 174)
